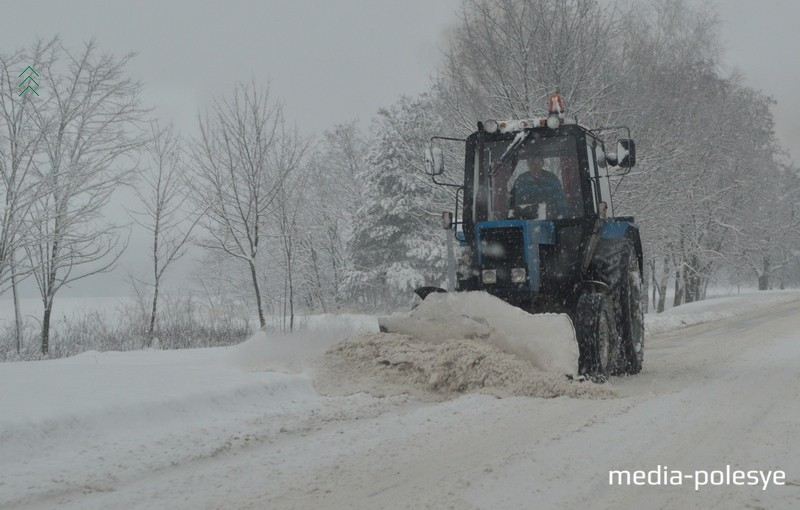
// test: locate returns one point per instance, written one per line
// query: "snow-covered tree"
(702, 135)
(333, 192)
(705, 142)
(396, 244)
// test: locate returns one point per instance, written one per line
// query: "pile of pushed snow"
(459, 343)
(386, 364)
(545, 340)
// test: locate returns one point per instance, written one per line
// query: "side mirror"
(447, 220)
(626, 153)
(434, 160)
(625, 156)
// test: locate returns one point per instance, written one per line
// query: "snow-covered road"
(711, 395)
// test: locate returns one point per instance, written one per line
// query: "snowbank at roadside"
(83, 423)
(715, 309)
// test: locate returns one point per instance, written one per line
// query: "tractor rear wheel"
(630, 318)
(596, 330)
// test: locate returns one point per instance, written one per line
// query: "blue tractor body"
(522, 244)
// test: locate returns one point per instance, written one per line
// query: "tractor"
(538, 230)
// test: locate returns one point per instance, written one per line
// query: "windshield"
(537, 178)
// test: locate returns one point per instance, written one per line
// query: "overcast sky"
(337, 60)
(329, 61)
(763, 41)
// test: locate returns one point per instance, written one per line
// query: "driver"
(533, 188)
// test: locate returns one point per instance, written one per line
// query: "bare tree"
(164, 200)
(89, 124)
(288, 229)
(241, 164)
(506, 56)
(19, 142)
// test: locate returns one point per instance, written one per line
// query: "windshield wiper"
(515, 144)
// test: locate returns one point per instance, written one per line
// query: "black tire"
(596, 330)
(627, 289)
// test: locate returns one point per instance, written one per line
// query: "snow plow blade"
(548, 341)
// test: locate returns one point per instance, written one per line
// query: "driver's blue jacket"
(530, 191)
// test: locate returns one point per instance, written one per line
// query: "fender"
(423, 292)
(594, 286)
(625, 227)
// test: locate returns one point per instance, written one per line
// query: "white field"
(109, 308)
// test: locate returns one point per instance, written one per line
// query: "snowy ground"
(244, 427)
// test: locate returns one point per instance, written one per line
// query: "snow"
(715, 309)
(90, 420)
(246, 427)
(545, 340)
(390, 364)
